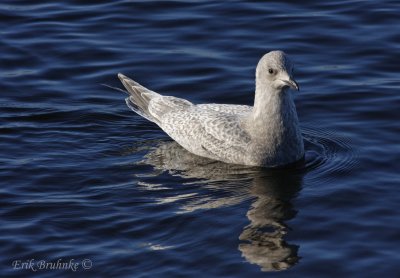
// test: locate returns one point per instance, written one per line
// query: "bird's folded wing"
(223, 138)
(225, 128)
(163, 105)
(219, 135)
(226, 108)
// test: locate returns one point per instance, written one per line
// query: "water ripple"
(328, 155)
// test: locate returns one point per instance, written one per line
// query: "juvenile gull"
(266, 134)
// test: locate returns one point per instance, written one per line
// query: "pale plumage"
(266, 134)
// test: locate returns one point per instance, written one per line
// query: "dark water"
(82, 177)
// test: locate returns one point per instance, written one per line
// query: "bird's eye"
(270, 71)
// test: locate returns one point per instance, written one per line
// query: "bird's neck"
(273, 110)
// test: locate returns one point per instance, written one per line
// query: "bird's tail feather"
(139, 97)
(137, 109)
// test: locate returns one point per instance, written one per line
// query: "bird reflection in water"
(271, 191)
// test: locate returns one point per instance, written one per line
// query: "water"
(82, 177)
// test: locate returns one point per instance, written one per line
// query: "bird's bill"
(291, 83)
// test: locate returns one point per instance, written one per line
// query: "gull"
(266, 134)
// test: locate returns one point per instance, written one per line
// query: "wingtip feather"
(121, 76)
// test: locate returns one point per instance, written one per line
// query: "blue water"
(84, 178)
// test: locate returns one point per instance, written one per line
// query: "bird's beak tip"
(295, 85)
(297, 88)
(292, 84)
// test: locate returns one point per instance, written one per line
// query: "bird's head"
(275, 70)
